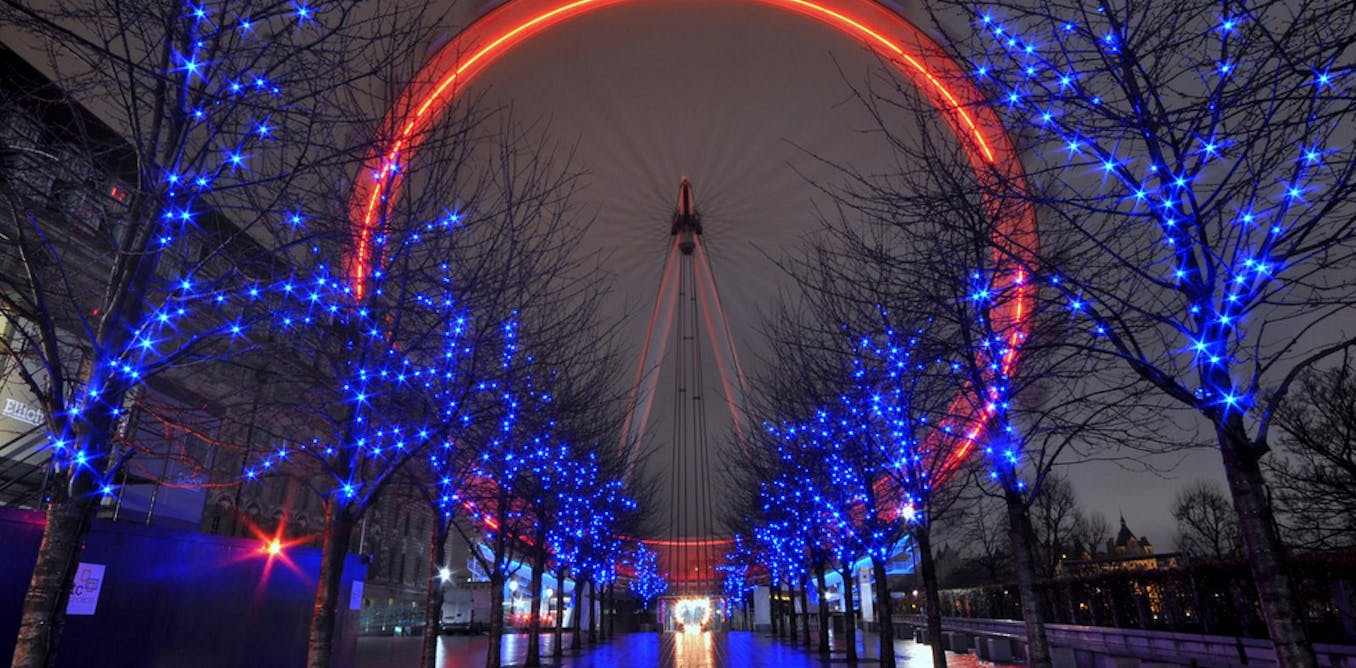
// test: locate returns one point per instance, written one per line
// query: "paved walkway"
(737, 649)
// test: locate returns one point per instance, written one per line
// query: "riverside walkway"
(736, 649)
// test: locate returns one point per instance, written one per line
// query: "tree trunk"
(558, 649)
(603, 619)
(932, 597)
(773, 619)
(603, 635)
(805, 610)
(781, 613)
(823, 608)
(493, 655)
(611, 599)
(433, 599)
(849, 614)
(338, 530)
(884, 613)
(44, 610)
(1266, 553)
(594, 610)
(577, 622)
(1023, 539)
(791, 631)
(534, 615)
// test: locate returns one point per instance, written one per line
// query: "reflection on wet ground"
(737, 649)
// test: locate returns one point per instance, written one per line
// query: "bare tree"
(1314, 474)
(980, 528)
(1055, 517)
(1063, 526)
(1207, 526)
(524, 283)
(380, 363)
(1090, 531)
(794, 510)
(545, 449)
(137, 248)
(1195, 158)
(1026, 399)
(900, 387)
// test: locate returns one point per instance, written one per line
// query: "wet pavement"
(736, 649)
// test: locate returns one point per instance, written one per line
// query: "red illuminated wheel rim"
(977, 129)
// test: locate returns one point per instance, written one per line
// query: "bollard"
(1063, 657)
(982, 648)
(1000, 650)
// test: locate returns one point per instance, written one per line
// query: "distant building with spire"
(1127, 545)
(1124, 552)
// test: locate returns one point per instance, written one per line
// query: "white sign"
(867, 602)
(355, 596)
(89, 579)
(21, 411)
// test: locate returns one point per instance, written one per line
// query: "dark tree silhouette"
(1207, 526)
(1314, 476)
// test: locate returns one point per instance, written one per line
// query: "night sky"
(736, 96)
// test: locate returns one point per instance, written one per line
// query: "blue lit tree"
(598, 504)
(357, 371)
(780, 539)
(543, 492)
(534, 471)
(509, 448)
(577, 490)
(602, 569)
(866, 449)
(779, 518)
(446, 469)
(816, 496)
(440, 487)
(395, 362)
(552, 502)
(148, 239)
(585, 541)
(1195, 157)
(647, 583)
(903, 390)
(849, 505)
(737, 572)
(797, 500)
(530, 312)
(819, 550)
(586, 534)
(928, 238)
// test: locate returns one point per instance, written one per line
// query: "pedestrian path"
(737, 649)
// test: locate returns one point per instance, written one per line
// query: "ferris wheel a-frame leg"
(647, 372)
(687, 246)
